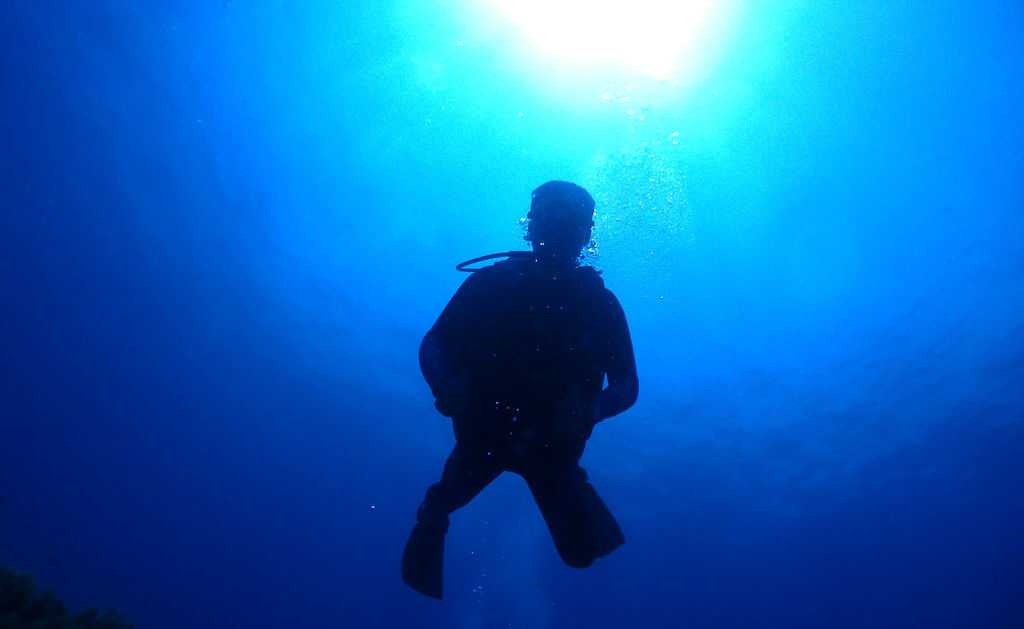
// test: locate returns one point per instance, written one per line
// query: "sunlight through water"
(576, 44)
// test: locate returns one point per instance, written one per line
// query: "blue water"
(227, 225)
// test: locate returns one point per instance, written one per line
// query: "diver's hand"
(453, 395)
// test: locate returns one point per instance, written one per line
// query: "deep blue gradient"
(227, 225)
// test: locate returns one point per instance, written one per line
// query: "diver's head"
(560, 219)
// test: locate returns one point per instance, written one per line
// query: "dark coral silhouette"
(23, 607)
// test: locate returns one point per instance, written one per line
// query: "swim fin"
(423, 560)
(605, 534)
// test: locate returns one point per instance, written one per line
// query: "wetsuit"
(534, 347)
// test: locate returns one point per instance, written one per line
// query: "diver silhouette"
(518, 360)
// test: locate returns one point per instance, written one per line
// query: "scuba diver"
(518, 360)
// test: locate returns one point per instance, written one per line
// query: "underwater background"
(227, 225)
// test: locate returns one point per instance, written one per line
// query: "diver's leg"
(581, 526)
(467, 471)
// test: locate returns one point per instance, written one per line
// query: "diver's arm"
(620, 366)
(433, 365)
(451, 391)
(439, 347)
(619, 396)
(440, 355)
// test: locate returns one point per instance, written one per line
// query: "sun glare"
(660, 40)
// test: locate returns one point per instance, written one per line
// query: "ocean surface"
(227, 225)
